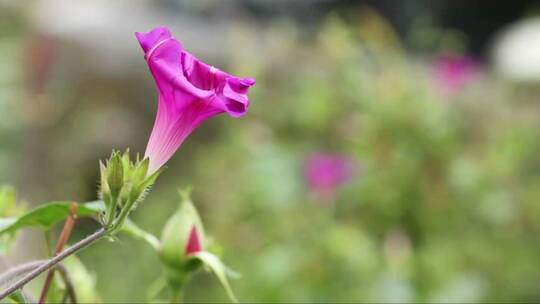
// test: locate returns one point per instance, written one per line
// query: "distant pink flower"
(194, 243)
(453, 73)
(324, 173)
(190, 92)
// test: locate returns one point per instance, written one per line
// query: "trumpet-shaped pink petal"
(189, 92)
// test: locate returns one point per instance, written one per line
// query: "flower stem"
(62, 240)
(177, 296)
(70, 288)
(119, 222)
(52, 262)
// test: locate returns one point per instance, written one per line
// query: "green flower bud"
(183, 250)
(182, 236)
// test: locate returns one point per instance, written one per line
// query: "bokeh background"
(433, 106)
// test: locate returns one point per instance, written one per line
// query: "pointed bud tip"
(185, 193)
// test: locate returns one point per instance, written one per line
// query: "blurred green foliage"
(444, 208)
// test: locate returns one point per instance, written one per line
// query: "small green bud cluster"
(123, 184)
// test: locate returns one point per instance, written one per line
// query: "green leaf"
(220, 270)
(45, 216)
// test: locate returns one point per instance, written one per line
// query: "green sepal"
(126, 164)
(141, 170)
(115, 174)
(127, 182)
(213, 263)
(104, 186)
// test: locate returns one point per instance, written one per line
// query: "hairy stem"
(119, 222)
(52, 262)
(62, 240)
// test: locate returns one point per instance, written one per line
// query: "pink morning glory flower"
(190, 91)
(324, 173)
(453, 73)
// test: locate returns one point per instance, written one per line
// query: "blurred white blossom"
(517, 51)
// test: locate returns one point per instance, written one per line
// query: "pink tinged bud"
(190, 92)
(194, 243)
(182, 236)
